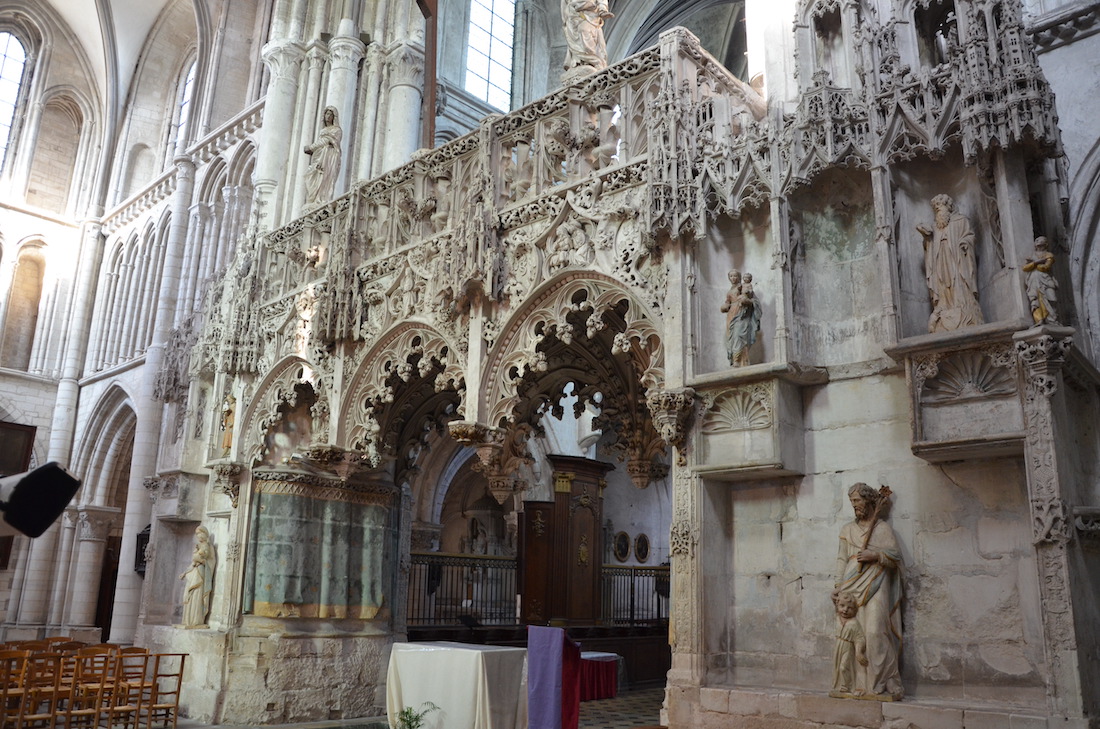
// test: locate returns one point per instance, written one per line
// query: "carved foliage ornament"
(671, 411)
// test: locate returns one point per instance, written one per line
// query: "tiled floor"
(628, 710)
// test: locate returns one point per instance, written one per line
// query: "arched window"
(13, 60)
(489, 51)
(181, 115)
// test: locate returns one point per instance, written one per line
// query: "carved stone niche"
(751, 428)
(964, 392)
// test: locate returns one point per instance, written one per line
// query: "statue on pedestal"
(198, 581)
(1042, 288)
(869, 573)
(950, 268)
(324, 159)
(742, 312)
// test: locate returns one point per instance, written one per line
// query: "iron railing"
(461, 588)
(447, 589)
(634, 595)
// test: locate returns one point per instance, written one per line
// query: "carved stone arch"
(214, 178)
(243, 164)
(104, 450)
(278, 388)
(412, 376)
(575, 305)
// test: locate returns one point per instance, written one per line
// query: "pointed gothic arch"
(408, 385)
(102, 459)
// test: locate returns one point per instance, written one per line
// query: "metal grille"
(460, 588)
(635, 595)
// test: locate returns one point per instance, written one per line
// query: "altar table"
(599, 675)
(474, 686)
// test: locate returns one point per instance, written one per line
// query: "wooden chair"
(53, 639)
(160, 706)
(43, 691)
(13, 665)
(131, 686)
(85, 700)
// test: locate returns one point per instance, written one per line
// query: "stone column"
(196, 230)
(1047, 446)
(284, 60)
(150, 411)
(345, 52)
(61, 579)
(405, 70)
(94, 524)
(41, 557)
(368, 121)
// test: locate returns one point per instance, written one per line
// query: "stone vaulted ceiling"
(111, 33)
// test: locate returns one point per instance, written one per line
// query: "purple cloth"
(544, 676)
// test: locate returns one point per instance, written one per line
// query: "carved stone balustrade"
(750, 424)
(964, 391)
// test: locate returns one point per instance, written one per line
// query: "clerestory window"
(13, 59)
(489, 51)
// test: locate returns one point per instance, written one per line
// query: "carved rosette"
(227, 480)
(671, 411)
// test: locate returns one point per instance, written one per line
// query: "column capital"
(95, 522)
(346, 51)
(406, 66)
(283, 58)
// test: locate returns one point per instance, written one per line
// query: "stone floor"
(629, 710)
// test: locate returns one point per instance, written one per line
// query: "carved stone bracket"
(964, 392)
(671, 411)
(162, 487)
(227, 479)
(1042, 358)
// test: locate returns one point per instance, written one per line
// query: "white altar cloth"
(474, 686)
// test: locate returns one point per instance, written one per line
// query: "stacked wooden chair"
(64, 684)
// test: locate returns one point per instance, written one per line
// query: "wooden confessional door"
(561, 546)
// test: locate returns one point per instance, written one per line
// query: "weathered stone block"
(926, 717)
(1022, 721)
(985, 720)
(744, 702)
(850, 712)
(717, 700)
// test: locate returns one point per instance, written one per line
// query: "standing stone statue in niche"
(324, 159)
(950, 268)
(742, 312)
(1042, 289)
(229, 416)
(587, 49)
(198, 581)
(869, 574)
